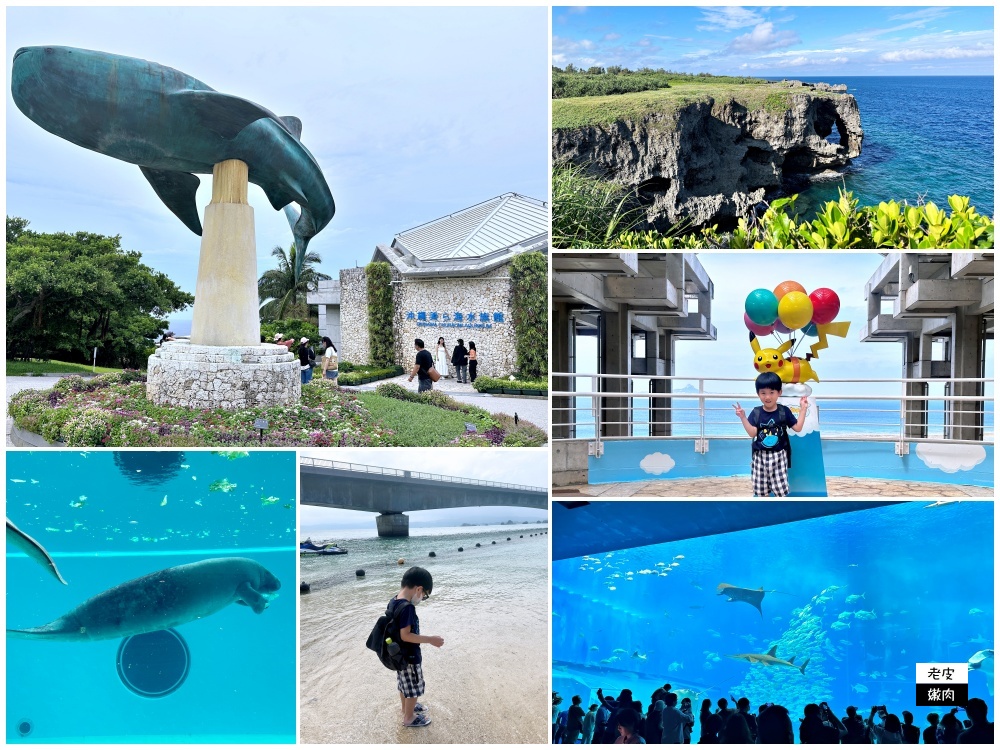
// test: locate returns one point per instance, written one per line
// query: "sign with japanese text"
(456, 319)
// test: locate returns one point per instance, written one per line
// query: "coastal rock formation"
(711, 162)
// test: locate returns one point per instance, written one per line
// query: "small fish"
(34, 481)
(859, 688)
(862, 615)
(975, 611)
(77, 503)
(18, 481)
(659, 565)
(831, 589)
(194, 477)
(678, 557)
(594, 648)
(619, 651)
(612, 588)
(862, 674)
(845, 643)
(185, 466)
(197, 502)
(852, 565)
(956, 644)
(675, 565)
(977, 640)
(271, 500)
(163, 501)
(715, 633)
(640, 657)
(822, 599)
(776, 619)
(845, 615)
(675, 666)
(853, 598)
(840, 625)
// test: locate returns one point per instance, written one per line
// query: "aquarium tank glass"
(850, 604)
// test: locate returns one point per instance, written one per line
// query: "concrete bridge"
(392, 492)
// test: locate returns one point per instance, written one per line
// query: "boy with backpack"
(396, 639)
(768, 426)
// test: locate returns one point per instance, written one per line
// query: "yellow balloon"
(795, 309)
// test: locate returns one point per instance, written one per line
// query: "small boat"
(308, 547)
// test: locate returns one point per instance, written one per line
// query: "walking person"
(460, 358)
(330, 365)
(473, 361)
(441, 358)
(421, 369)
(307, 358)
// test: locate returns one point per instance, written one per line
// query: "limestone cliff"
(710, 162)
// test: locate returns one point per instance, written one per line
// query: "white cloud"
(728, 18)
(762, 38)
(657, 463)
(951, 458)
(612, 37)
(947, 53)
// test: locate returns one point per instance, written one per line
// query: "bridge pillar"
(392, 524)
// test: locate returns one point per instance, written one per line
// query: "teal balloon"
(762, 307)
(810, 330)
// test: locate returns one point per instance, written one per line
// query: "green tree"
(68, 293)
(282, 290)
(529, 285)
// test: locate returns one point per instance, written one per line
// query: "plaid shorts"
(769, 473)
(410, 681)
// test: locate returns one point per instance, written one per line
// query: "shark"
(983, 662)
(753, 597)
(770, 659)
(173, 127)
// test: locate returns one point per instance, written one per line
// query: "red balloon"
(757, 329)
(826, 305)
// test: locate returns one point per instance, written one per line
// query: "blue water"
(924, 573)
(107, 518)
(837, 417)
(927, 137)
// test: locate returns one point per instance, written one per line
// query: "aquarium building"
(450, 278)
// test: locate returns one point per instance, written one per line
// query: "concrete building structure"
(944, 298)
(450, 278)
(637, 305)
(393, 492)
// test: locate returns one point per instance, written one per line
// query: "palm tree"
(285, 287)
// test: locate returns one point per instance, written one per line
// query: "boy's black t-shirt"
(574, 723)
(425, 361)
(772, 432)
(407, 615)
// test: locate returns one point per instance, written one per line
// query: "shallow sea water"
(487, 684)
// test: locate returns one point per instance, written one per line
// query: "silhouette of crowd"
(667, 721)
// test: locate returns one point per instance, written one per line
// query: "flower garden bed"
(112, 410)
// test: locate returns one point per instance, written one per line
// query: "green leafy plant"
(359, 373)
(529, 286)
(381, 341)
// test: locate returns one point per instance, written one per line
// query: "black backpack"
(387, 627)
(783, 423)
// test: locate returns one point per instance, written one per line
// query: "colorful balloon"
(795, 309)
(788, 286)
(811, 330)
(781, 327)
(762, 307)
(758, 330)
(826, 305)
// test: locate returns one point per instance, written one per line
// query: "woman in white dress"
(441, 357)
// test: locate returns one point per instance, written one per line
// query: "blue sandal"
(419, 721)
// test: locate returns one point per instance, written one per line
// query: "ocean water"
(487, 684)
(837, 417)
(923, 575)
(107, 518)
(927, 137)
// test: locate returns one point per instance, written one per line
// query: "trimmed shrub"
(529, 287)
(359, 373)
(381, 341)
(484, 383)
(292, 328)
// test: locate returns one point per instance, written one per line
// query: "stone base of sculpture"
(223, 377)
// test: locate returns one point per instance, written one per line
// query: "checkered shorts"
(410, 681)
(769, 473)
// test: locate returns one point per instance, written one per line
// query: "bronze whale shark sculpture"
(173, 127)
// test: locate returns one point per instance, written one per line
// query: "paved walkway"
(535, 410)
(740, 487)
(17, 383)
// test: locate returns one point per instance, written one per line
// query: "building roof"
(506, 224)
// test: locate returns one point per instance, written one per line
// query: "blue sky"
(790, 41)
(528, 466)
(412, 113)
(736, 275)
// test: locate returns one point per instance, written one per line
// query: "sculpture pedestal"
(223, 377)
(225, 296)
